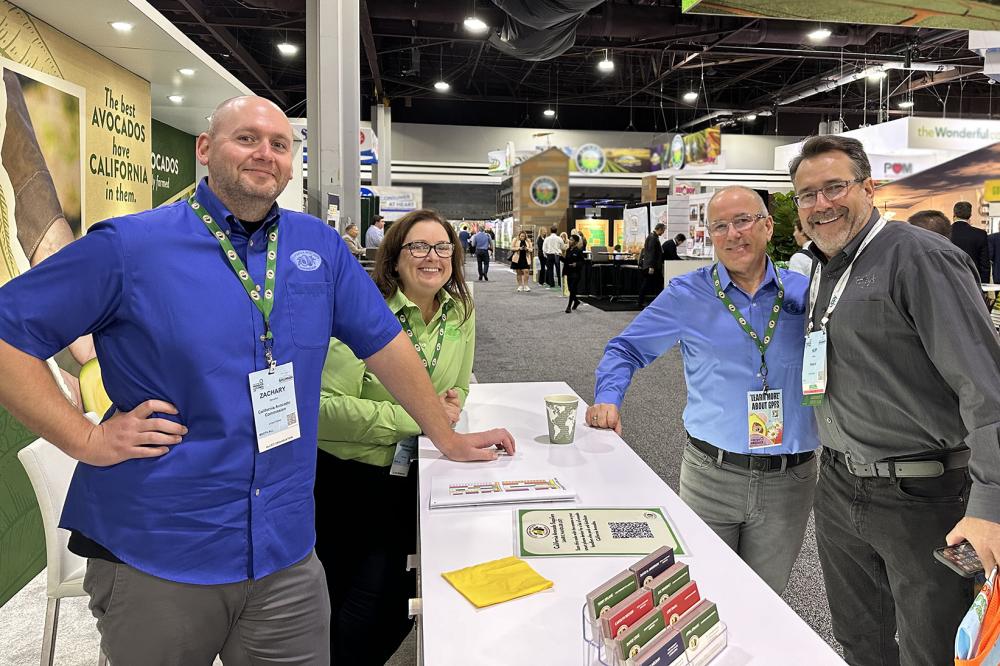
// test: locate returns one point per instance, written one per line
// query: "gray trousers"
(283, 618)
(760, 515)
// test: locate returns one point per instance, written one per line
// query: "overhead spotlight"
(185, 71)
(690, 96)
(176, 99)
(607, 65)
(549, 113)
(819, 35)
(875, 74)
(750, 117)
(122, 26)
(908, 104)
(476, 25)
(287, 50)
(442, 86)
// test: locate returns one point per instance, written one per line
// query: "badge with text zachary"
(766, 424)
(275, 414)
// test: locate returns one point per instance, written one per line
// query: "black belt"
(929, 465)
(752, 462)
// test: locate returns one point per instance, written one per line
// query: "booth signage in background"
(589, 158)
(498, 164)
(595, 231)
(951, 133)
(635, 229)
(991, 191)
(544, 191)
(86, 121)
(700, 149)
(395, 202)
(972, 15)
(368, 146)
(173, 164)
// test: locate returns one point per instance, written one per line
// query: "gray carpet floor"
(520, 337)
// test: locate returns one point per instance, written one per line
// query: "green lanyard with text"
(265, 301)
(416, 345)
(745, 325)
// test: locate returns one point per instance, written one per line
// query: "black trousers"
(483, 262)
(876, 539)
(573, 282)
(366, 525)
(553, 272)
(652, 283)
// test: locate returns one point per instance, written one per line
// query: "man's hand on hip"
(984, 535)
(133, 434)
(605, 416)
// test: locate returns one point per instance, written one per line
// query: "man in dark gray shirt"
(911, 367)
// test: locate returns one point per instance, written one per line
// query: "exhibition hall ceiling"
(758, 75)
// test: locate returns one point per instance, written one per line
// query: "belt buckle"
(760, 463)
(860, 470)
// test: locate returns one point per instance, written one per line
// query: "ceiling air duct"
(539, 29)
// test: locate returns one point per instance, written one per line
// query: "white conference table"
(545, 628)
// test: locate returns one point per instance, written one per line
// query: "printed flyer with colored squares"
(594, 532)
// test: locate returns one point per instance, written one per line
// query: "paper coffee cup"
(560, 412)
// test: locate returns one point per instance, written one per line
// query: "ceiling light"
(607, 65)
(549, 113)
(690, 96)
(122, 26)
(875, 74)
(819, 35)
(750, 117)
(185, 71)
(442, 86)
(176, 99)
(287, 50)
(476, 25)
(908, 104)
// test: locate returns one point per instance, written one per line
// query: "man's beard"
(240, 194)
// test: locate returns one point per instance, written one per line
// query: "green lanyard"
(416, 345)
(745, 325)
(265, 301)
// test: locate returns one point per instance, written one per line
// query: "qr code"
(293, 418)
(630, 530)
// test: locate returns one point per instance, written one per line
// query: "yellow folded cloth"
(497, 581)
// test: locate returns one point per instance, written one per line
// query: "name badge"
(814, 369)
(406, 451)
(765, 416)
(275, 414)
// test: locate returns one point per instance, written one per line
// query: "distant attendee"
(932, 220)
(583, 239)
(540, 253)
(492, 235)
(351, 233)
(464, 236)
(373, 238)
(520, 260)
(651, 264)
(553, 248)
(573, 269)
(482, 244)
(670, 247)
(618, 248)
(802, 261)
(971, 239)
(993, 245)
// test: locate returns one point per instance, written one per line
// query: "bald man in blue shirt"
(193, 499)
(749, 469)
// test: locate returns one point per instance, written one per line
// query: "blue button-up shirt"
(721, 362)
(481, 241)
(171, 321)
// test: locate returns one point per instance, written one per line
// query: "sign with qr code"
(594, 531)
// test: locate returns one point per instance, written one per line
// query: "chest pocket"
(310, 308)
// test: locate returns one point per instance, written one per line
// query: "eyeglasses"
(420, 249)
(831, 192)
(739, 223)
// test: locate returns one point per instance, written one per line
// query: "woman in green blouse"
(366, 496)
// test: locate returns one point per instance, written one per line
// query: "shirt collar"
(399, 301)
(769, 276)
(222, 216)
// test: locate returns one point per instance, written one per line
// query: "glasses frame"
(430, 246)
(754, 218)
(846, 183)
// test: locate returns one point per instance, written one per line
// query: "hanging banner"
(498, 164)
(173, 164)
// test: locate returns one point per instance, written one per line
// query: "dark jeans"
(543, 269)
(483, 262)
(573, 282)
(876, 539)
(652, 283)
(366, 525)
(553, 272)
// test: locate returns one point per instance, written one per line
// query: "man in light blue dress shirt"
(749, 469)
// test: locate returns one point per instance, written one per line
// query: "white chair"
(50, 471)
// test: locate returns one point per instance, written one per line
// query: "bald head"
(236, 107)
(750, 200)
